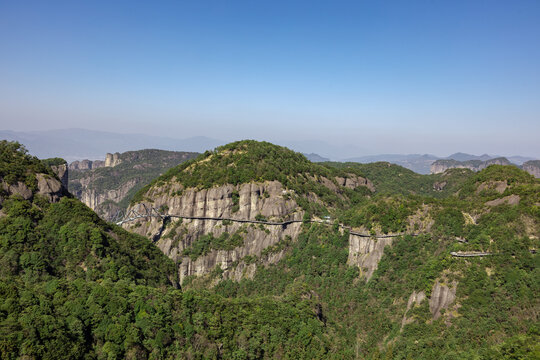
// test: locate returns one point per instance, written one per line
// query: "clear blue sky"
(386, 76)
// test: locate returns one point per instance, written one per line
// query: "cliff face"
(112, 160)
(47, 186)
(249, 201)
(63, 173)
(441, 166)
(532, 167)
(86, 165)
(366, 253)
(107, 186)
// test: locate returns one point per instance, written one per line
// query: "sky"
(382, 76)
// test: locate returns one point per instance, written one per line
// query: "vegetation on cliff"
(252, 161)
(17, 165)
(74, 286)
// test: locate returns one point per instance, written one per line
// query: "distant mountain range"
(78, 144)
(316, 157)
(422, 163)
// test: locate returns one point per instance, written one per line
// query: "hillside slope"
(75, 287)
(246, 180)
(465, 268)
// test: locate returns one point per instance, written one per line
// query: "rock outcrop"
(366, 253)
(86, 165)
(510, 200)
(353, 181)
(532, 167)
(107, 186)
(439, 185)
(442, 296)
(415, 299)
(112, 160)
(248, 201)
(440, 166)
(62, 172)
(93, 198)
(47, 186)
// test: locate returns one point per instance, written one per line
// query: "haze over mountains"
(79, 144)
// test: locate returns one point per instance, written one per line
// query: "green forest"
(73, 286)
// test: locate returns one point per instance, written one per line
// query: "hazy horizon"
(414, 77)
(78, 144)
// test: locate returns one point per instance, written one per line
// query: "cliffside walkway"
(152, 212)
(478, 253)
(470, 254)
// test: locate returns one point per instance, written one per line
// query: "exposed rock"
(47, 186)
(442, 296)
(532, 167)
(354, 181)
(498, 186)
(111, 160)
(254, 198)
(98, 164)
(366, 253)
(266, 199)
(50, 187)
(255, 241)
(107, 190)
(510, 200)
(62, 172)
(19, 188)
(440, 166)
(86, 165)
(415, 299)
(439, 185)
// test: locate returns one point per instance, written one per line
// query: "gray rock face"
(442, 296)
(440, 166)
(353, 181)
(86, 165)
(510, 200)
(532, 167)
(107, 190)
(111, 160)
(416, 298)
(439, 186)
(255, 241)
(268, 199)
(62, 172)
(366, 253)
(47, 186)
(18, 188)
(50, 187)
(498, 186)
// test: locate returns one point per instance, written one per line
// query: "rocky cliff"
(366, 253)
(232, 245)
(63, 173)
(108, 189)
(86, 164)
(440, 166)
(249, 201)
(47, 186)
(532, 167)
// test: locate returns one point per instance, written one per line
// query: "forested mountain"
(272, 256)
